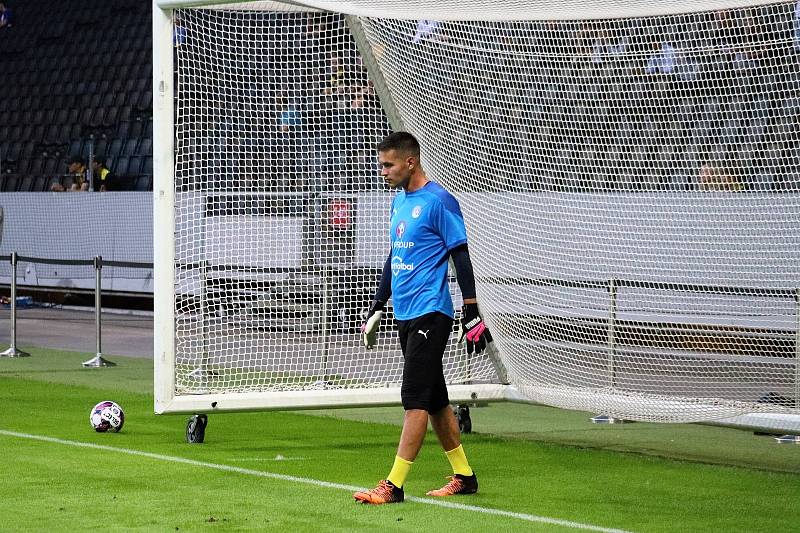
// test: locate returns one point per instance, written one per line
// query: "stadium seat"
(50, 167)
(36, 166)
(134, 165)
(137, 128)
(97, 116)
(123, 130)
(125, 113)
(25, 184)
(75, 147)
(129, 148)
(21, 166)
(100, 146)
(26, 131)
(121, 166)
(120, 98)
(28, 149)
(86, 116)
(145, 102)
(39, 184)
(10, 183)
(38, 117)
(145, 147)
(114, 148)
(143, 183)
(111, 116)
(57, 134)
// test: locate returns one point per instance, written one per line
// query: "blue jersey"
(426, 225)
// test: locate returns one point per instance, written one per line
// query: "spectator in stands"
(687, 68)
(103, 179)
(746, 58)
(6, 16)
(607, 46)
(335, 74)
(290, 116)
(365, 97)
(724, 29)
(78, 172)
(662, 61)
(748, 50)
(713, 177)
(428, 30)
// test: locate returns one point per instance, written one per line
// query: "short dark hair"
(99, 160)
(402, 141)
(75, 159)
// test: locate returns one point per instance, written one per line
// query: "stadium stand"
(73, 78)
(79, 80)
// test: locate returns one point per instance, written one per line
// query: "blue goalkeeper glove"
(372, 321)
(474, 329)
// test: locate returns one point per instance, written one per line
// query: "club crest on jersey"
(400, 229)
(417, 211)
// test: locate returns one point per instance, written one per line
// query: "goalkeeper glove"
(474, 329)
(369, 329)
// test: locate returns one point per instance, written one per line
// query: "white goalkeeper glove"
(372, 321)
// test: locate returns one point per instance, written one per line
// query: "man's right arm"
(369, 330)
(385, 287)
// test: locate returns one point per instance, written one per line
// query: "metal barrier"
(97, 262)
(12, 349)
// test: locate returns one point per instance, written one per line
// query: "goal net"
(630, 187)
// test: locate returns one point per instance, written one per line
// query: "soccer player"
(427, 229)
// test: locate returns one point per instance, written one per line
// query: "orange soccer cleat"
(458, 484)
(385, 492)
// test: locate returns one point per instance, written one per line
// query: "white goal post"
(629, 175)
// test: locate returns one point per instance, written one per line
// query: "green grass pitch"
(539, 468)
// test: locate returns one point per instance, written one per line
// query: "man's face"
(396, 167)
(74, 168)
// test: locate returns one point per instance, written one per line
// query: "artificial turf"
(530, 460)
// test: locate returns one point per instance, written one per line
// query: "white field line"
(308, 481)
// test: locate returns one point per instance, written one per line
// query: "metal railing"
(97, 263)
(613, 323)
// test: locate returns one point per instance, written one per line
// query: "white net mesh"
(630, 188)
(280, 213)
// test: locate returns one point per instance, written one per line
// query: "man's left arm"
(472, 325)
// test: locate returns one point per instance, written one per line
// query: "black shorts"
(423, 341)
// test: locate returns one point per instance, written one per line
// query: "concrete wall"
(117, 226)
(748, 240)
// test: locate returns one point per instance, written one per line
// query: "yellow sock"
(399, 471)
(458, 460)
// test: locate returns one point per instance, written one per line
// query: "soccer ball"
(107, 416)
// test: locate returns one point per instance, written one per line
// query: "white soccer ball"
(107, 416)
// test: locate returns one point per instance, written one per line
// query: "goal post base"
(98, 361)
(316, 399)
(13, 351)
(606, 419)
